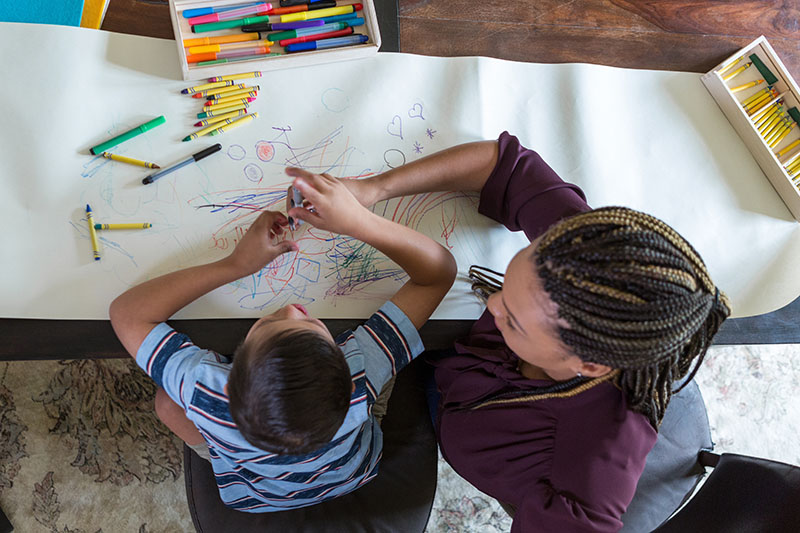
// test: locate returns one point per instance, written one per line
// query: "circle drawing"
(236, 152)
(335, 100)
(253, 172)
(394, 158)
(265, 150)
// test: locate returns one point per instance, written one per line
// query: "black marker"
(196, 157)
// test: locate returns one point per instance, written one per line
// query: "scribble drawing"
(335, 100)
(416, 111)
(417, 147)
(93, 166)
(430, 133)
(308, 270)
(355, 264)
(394, 158)
(315, 157)
(395, 127)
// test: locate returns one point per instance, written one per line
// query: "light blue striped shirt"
(253, 480)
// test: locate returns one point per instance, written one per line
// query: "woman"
(553, 401)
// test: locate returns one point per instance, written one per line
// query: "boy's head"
(290, 386)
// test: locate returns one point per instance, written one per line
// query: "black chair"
(400, 497)
(742, 494)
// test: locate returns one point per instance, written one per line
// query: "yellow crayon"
(129, 160)
(736, 72)
(236, 100)
(793, 165)
(137, 225)
(783, 151)
(768, 116)
(234, 124)
(757, 103)
(219, 123)
(220, 118)
(769, 123)
(243, 75)
(221, 110)
(792, 159)
(745, 86)
(92, 234)
(766, 107)
(755, 96)
(211, 92)
(775, 130)
(246, 90)
(783, 135)
(225, 47)
(198, 88)
(727, 66)
(236, 38)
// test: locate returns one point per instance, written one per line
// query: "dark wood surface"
(680, 35)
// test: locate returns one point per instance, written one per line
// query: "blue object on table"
(62, 12)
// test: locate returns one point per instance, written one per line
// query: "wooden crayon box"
(183, 30)
(741, 118)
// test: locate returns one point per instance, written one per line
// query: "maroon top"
(567, 462)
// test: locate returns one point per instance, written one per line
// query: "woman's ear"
(593, 370)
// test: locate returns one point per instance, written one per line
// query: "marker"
(244, 90)
(234, 124)
(129, 160)
(328, 43)
(223, 39)
(211, 56)
(324, 4)
(245, 97)
(257, 9)
(214, 26)
(220, 118)
(119, 139)
(214, 85)
(746, 86)
(137, 225)
(92, 233)
(295, 201)
(225, 47)
(200, 11)
(325, 28)
(191, 159)
(235, 59)
(230, 77)
(222, 110)
(317, 36)
(280, 26)
(221, 90)
(319, 13)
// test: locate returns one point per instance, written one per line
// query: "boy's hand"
(364, 190)
(329, 204)
(258, 247)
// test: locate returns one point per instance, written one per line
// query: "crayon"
(213, 106)
(209, 129)
(755, 96)
(737, 71)
(221, 90)
(220, 111)
(234, 124)
(231, 77)
(129, 160)
(220, 118)
(745, 86)
(138, 130)
(727, 66)
(246, 97)
(92, 234)
(213, 85)
(191, 159)
(775, 142)
(244, 90)
(783, 151)
(137, 225)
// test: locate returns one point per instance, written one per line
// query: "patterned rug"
(81, 450)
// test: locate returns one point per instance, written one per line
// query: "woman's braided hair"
(637, 297)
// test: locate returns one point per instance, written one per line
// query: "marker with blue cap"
(335, 42)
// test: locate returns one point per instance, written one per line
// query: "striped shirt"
(254, 480)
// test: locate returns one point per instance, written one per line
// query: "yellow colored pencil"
(235, 124)
(129, 160)
(126, 225)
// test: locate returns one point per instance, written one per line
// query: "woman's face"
(528, 320)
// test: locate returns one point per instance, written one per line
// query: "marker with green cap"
(119, 139)
(225, 24)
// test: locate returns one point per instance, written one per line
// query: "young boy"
(288, 422)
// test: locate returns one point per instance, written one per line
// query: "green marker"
(119, 139)
(222, 25)
(233, 59)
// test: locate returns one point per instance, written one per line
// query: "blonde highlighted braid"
(637, 297)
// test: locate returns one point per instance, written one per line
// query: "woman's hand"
(328, 203)
(258, 247)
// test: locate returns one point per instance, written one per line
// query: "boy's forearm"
(465, 167)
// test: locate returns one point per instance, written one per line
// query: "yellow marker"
(237, 38)
(727, 66)
(780, 137)
(92, 233)
(235, 124)
(755, 96)
(746, 86)
(228, 99)
(211, 92)
(785, 150)
(198, 88)
(245, 90)
(225, 47)
(220, 118)
(214, 105)
(129, 160)
(243, 75)
(138, 225)
(735, 72)
(318, 13)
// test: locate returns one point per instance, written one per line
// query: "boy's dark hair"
(290, 394)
